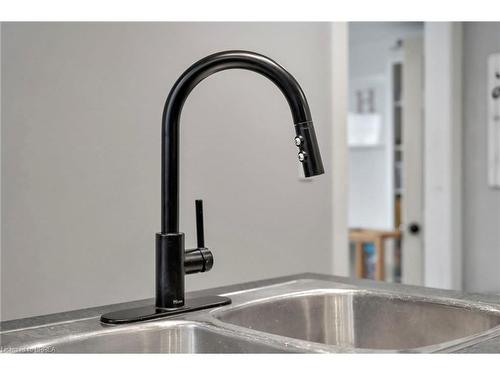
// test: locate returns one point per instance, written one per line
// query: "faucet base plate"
(140, 314)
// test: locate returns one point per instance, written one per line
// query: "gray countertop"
(491, 345)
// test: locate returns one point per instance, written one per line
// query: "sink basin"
(361, 319)
(163, 337)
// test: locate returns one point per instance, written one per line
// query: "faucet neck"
(178, 95)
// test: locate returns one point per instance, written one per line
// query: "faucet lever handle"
(199, 259)
(200, 235)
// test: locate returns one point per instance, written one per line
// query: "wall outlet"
(493, 99)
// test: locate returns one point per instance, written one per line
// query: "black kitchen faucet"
(172, 260)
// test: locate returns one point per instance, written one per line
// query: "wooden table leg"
(360, 264)
(379, 259)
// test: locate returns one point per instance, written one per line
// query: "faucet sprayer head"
(309, 154)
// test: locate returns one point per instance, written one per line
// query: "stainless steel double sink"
(301, 315)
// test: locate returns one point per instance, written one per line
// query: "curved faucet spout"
(172, 260)
(305, 139)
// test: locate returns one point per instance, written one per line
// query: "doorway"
(385, 143)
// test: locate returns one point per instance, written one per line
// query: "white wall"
(81, 110)
(481, 209)
(339, 66)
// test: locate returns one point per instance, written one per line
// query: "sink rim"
(483, 307)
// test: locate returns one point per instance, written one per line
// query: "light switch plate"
(493, 99)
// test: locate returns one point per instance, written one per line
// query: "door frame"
(443, 155)
(339, 159)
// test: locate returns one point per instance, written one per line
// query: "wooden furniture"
(377, 237)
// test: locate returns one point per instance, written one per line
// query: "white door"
(412, 174)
